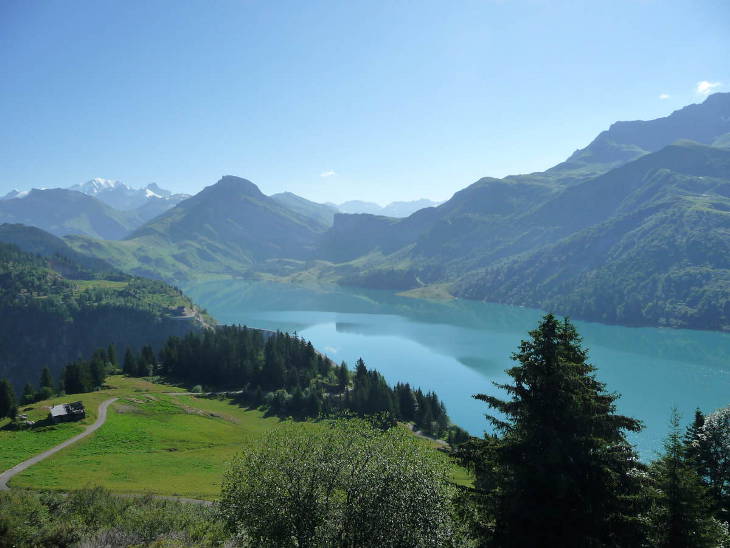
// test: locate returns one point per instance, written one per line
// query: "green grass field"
(152, 442)
(16, 446)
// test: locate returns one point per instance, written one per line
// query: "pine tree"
(681, 516)
(130, 364)
(343, 376)
(148, 360)
(562, 470)
(46, 378)
(7, 399)
(97, 371)
(77, 378)
(112, 355)
(29, 395)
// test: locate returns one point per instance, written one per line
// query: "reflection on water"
(458, 347)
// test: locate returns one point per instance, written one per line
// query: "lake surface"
(458, 348)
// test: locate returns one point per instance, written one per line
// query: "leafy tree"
(343, 484)
(7, 399)
(561, 472)
(681, 516)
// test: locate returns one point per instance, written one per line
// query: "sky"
(337, 100)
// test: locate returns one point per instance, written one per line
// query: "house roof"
(59, 410)
(67, 409)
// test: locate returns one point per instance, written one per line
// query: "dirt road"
(18, 468)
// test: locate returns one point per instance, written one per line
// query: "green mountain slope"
(322, 214)
(225, 229)
(61, 212)
(50, 318)
(656, 252)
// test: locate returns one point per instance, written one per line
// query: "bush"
(95, 517)
(341, 483)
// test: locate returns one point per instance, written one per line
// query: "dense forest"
(56, 309)
(284, 373)
(277, 371)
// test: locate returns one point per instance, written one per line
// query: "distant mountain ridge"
(393, 209)
(228, 228)
(99, 208)
(123, 197)
(631, 229)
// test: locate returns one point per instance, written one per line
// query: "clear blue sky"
(391, 99)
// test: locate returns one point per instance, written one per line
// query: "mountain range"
(99, 208)
(631, 229)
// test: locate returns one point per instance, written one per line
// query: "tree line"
(280, 372)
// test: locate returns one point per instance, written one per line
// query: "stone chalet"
(66, 412)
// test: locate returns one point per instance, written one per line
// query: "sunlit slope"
(154, 441)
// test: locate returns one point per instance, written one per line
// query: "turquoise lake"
(457, 348)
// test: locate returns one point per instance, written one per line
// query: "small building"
(66, 412)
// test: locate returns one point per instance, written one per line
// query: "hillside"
(56, 309)
(323, 214)
(225, 229)
(648, 245)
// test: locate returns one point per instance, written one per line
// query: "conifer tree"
(130, 364)
(7, 399)
(681, 515)
(112, 355)
(561, 473)
(46, 378)
(29, 395)
(343, 376)
(97, 370)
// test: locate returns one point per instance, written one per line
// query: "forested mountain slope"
(50, 318)
(654, 248)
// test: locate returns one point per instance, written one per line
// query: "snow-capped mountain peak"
(15, 194)
(122, 196)
(98, 185)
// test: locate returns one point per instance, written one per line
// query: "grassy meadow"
(152, 442)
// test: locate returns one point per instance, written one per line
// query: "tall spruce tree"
(46, 378)
(29, 394)
(8, 404)
(561, 470)
(130, 363)
(681, 516)
(112, 356)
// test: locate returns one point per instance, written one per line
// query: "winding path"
(18, 468)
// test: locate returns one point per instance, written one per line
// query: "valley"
(460, 347)
(630, 230)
